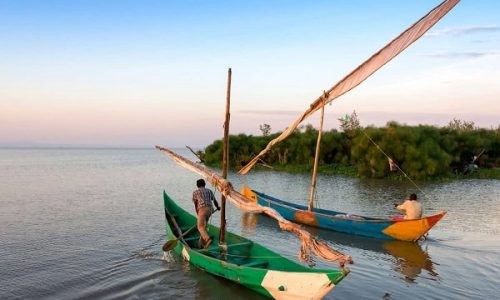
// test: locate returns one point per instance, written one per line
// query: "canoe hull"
(277, 278)
(403, 230)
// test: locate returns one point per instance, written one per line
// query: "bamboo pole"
(316, 159)
(222, 233)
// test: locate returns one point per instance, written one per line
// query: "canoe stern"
(284, 285)
(412, 230)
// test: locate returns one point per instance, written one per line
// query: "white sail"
(370, 66)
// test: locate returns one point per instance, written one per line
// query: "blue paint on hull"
(329, 219)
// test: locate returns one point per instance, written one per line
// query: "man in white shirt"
(411, 208)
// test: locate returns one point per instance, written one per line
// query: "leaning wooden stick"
(196, 154)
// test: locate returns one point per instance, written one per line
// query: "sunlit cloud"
(469, 54)
(456, 31)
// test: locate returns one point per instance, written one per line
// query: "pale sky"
(141, 73)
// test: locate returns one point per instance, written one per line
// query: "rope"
(316, 199)
(210, 218)
(235, 255)
(397, 166)
(388, 157)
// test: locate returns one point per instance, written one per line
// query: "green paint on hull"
(246, 263)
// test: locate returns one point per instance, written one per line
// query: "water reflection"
(194, 283)
(249, 222)
(409, 258)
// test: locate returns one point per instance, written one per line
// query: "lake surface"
(89, 223)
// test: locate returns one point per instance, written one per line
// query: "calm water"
(89, 223)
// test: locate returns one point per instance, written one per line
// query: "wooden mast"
(316, 159)
(222, 233)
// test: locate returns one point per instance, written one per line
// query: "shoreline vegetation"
(457, 151)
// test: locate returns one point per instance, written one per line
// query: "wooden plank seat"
(232, 246)
(240, 245)
(184, 228)
(193, 238)
(209, 249)
(256, 264)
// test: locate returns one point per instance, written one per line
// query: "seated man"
(411, 208)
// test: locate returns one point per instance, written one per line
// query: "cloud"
(268, 112)
(460, 54)
(486, 40)
(456, 31)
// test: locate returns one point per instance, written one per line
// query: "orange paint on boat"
(306, 217)
(247, 192)
(412, 230)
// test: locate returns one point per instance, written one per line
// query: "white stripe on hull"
(288, 285)
(185, 254)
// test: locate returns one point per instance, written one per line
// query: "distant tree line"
(421, 151)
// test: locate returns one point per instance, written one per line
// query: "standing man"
(202, 199)
(411, 208)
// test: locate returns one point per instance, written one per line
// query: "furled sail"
(364, 71)
(309, 244)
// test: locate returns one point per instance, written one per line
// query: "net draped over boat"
(309, 244)
(362, 72)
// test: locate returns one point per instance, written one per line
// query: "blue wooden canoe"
(404, 230)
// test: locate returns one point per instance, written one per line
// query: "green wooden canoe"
(248, 263)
